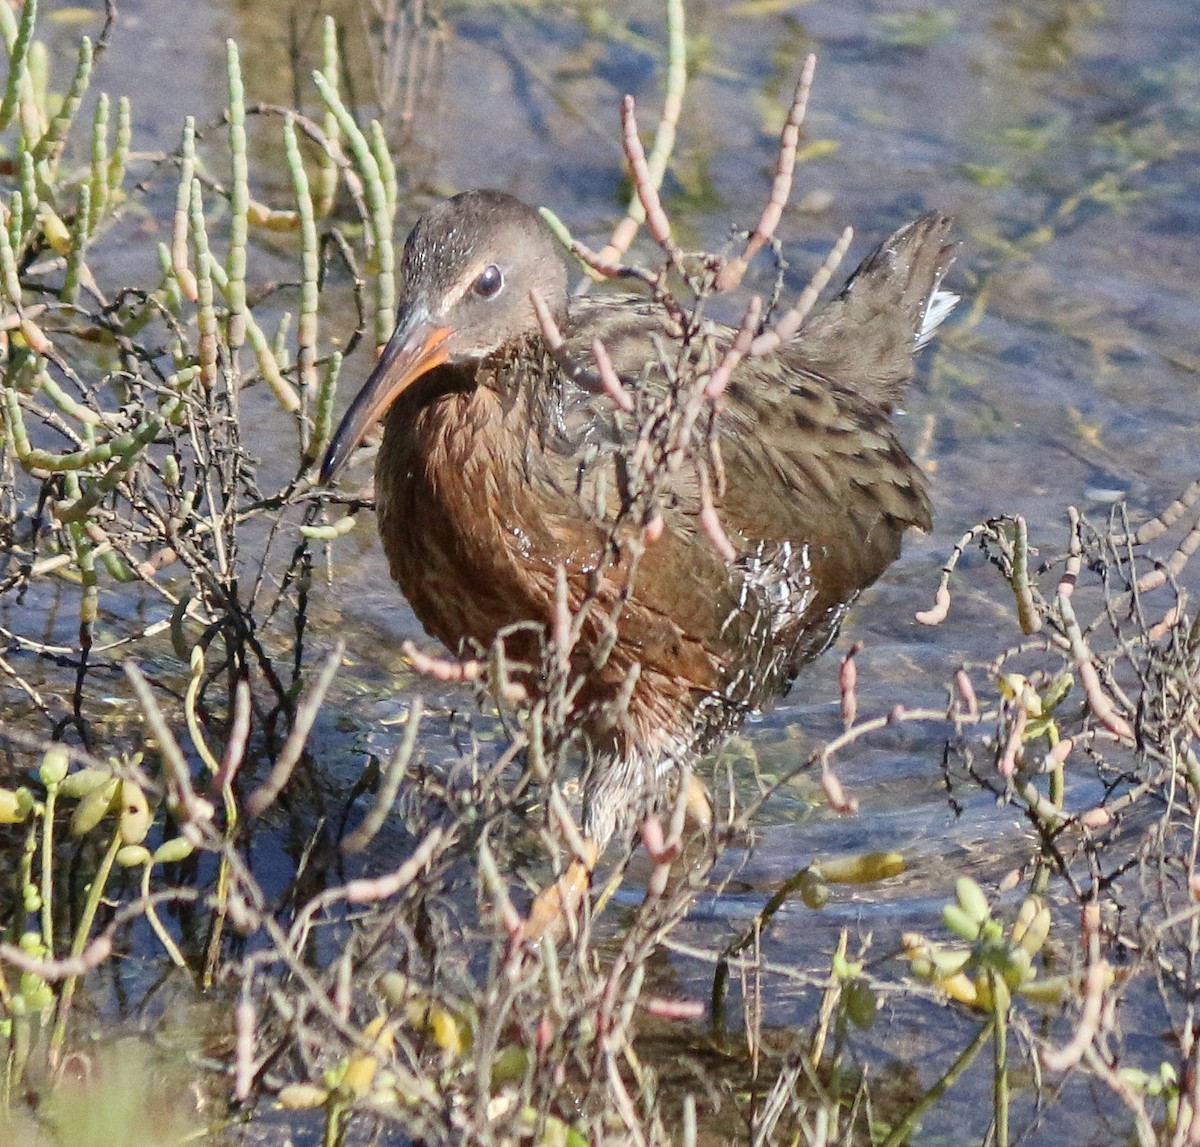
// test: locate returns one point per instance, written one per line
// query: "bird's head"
(469, 268)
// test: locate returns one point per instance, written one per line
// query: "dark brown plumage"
(493, 450)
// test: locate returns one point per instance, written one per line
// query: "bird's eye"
(488, 285)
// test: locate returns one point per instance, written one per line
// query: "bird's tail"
(887, 311)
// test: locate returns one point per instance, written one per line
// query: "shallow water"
(1061, 136)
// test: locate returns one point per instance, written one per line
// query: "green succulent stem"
(82, 933)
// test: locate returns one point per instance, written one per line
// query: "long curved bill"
(417, 345)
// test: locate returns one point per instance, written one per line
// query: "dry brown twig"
(646, 192)
(289, 756)
(736, 351)
(442, 668)
(847, 682)
(656, 220)
(734, 269)
(1095, 984)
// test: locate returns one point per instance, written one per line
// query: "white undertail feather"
(940, 304)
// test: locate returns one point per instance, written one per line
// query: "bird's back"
(817, 493)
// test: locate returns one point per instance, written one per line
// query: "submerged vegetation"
(349, 966)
